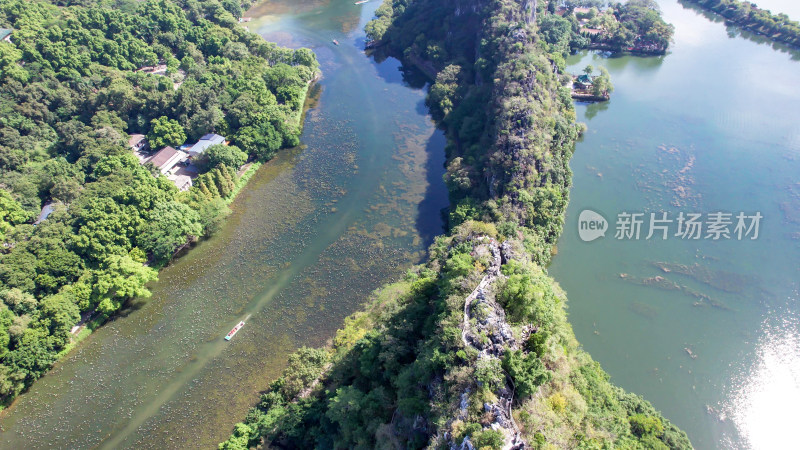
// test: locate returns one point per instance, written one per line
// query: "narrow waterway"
(313, 233)
(708, 331)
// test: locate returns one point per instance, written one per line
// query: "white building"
(167, 158)
(204, 143)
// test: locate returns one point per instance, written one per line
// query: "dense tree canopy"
(75, 81)
(165, 131)
(635, 25)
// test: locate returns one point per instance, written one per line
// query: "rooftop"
(4, 33)
(212, 137)
(163, 156)
(205, 142)
(47, 209)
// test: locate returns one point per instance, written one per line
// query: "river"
(714, 343)
(712, 126)
(312, 234)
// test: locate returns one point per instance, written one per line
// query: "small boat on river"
(360, 2)
(335, 41)
(234, 331)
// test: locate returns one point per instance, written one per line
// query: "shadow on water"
(398, 73)
(618, 61)
(592, 109)
(431, 209)
(129, 308)
(432, 206)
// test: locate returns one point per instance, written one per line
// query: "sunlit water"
(313, 233)
(712, 126)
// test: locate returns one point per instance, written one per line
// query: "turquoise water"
(312, 234)
(712, 126)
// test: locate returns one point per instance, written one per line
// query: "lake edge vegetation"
(747, 15)
(78, 80)
(405, 372)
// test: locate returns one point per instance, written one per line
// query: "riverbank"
(637, 51)
(97, 320)
(399, 370)
(747, 15)
(359, 200)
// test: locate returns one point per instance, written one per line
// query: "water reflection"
(319, 15)
(763, 403)
(735, 31)
(592, 109)
(712, 127)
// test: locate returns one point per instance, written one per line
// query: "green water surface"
(313, 233)
(712, 126)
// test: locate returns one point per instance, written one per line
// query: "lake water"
(708, 331)
(313, 233)
(712, 126)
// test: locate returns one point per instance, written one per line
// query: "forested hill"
(471, 349)
(77, 78)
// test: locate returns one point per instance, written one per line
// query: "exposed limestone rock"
(486, 330)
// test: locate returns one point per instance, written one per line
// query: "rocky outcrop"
(486, 330)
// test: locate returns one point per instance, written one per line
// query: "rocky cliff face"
(485, 330)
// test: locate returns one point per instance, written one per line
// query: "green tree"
(305, 366)
(306, 58)
(602, 83)
(643, 425)
(443, 94)
(229, 155)
(211, 214)
(261, 141)
(526, 370)
(120, 278)
(11, 213)
(165, 131)
(489, 372)
(19, 302)
(58, 314)
(528, 296)
(167, 226)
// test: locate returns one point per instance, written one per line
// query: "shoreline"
(438, 270)
(94, 320)
(747, 24)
